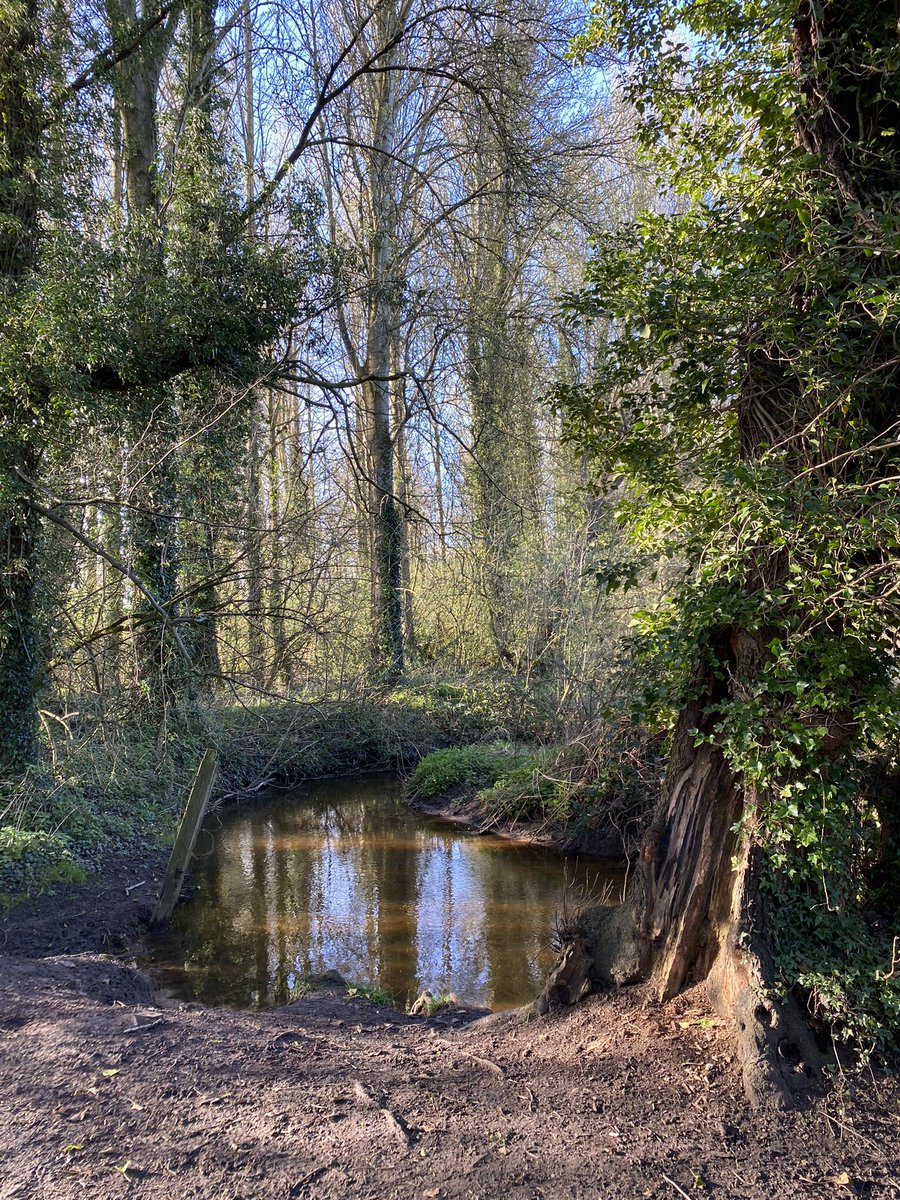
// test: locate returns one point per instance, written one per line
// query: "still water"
(341, 875)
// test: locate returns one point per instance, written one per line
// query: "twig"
(491, 1066)
(134, 887)
(140, 1028)
(679, 1190)
(895, 960)
(495, 1068)
(398, 1129)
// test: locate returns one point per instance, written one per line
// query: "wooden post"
(184, 842)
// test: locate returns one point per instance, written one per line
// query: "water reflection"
(342, 875)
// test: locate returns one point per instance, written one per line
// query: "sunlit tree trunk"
(402, 476)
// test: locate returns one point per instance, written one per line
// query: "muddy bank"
(107, 1092)
(104, 915)
(460, 807)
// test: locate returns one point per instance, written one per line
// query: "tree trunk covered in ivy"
(20, 168)
(160, 668)
(382, 323)
(790, 624)
(705, 916)
(499, 369)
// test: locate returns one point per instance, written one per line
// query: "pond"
(341, 875)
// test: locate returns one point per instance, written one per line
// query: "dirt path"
(105, 1094)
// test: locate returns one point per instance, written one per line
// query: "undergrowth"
(605, 783)
(104, 786)
(462, 766)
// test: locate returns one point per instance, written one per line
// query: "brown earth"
(106, 1093)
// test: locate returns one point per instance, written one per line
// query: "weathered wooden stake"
(184, 842)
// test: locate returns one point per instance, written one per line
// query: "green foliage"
(845, 964)
(604, 783)
(373, 993)
(33, 861)
(467, 766)
(744, 407)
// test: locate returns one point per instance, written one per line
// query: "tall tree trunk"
(402, 475)
(21, 664)
(384, 513)
(275, 600)
(255, 530)
(152, 428)
(21, 659)
(135, 87)
(501, 479)
(111, 533)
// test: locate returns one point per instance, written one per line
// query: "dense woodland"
(531, 370)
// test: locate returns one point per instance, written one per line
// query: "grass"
(608, 780)
(377, 995)
(465, 766)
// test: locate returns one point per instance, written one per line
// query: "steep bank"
(461, 807)
(592, 795)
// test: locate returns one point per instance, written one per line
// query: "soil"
(106, 1091)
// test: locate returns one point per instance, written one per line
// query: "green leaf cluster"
(745, 410)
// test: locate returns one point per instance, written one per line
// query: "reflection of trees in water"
(398, 893)
(518, 893)
(260, 907)
(348, 878)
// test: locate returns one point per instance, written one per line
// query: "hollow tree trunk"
(703, 914)
(699, 911)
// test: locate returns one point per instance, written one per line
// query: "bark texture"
(696, 913)
(21, 667)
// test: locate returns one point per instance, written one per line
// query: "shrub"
(33, 861)
(468, 766)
